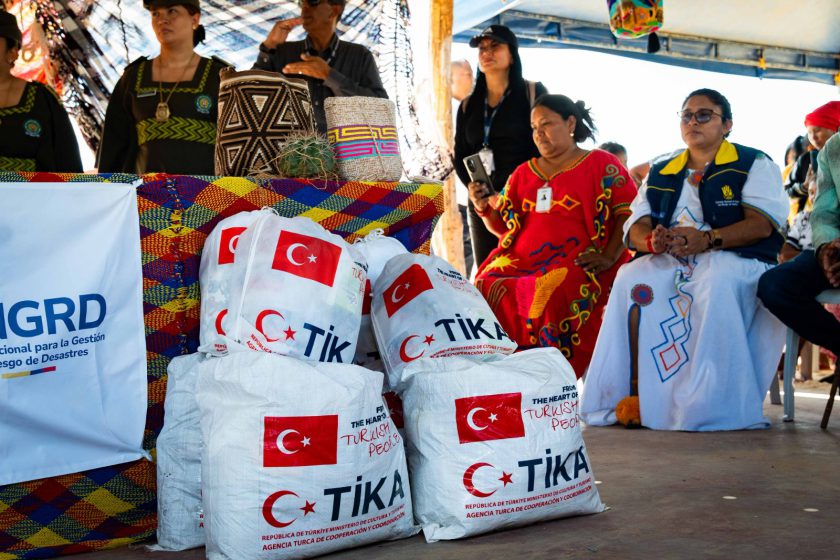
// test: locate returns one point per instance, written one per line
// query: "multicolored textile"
(113, 506)
(539, 295)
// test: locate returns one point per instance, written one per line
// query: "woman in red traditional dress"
(559, 221)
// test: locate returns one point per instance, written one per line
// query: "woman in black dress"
(162, 113)
(495, 119)
(35, 131)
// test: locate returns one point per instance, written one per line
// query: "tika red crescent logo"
(227, 244)
(408, 285)
(307, 257)
(274, 500)
(300, 441)
(276, 326)
(412, 347)
(472, 471)
(489, 417)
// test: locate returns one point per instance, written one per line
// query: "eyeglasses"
(702, 116)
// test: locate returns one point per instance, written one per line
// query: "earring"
(572, 134)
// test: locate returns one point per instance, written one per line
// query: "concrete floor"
(666, 493)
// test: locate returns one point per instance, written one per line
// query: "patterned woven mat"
(114, 506)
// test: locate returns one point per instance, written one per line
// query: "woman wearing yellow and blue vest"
(162, 113)
(35, 131)
(705, 226)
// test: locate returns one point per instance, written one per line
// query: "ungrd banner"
(72, 350)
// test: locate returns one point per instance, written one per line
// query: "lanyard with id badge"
(543, 205)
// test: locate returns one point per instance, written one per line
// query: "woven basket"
(258, 110)
(363, 133)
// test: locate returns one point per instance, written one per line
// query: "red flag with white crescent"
(308, 257)
(300, 441)
(408, 285)
(227, 244)
(489, 417)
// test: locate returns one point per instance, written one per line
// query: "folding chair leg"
(830, 403)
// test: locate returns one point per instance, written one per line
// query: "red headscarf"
(826, 116)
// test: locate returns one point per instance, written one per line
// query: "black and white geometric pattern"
(257, 111)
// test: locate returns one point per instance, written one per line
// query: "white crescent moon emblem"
(471, 421)
(290, 253)
(281, 446)
(394, 298)
(232, 244)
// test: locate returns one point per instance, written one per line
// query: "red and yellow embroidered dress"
(539, 295)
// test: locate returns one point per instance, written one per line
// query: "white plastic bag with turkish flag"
(300, 458)
(217, 260)
(377, 249)
(180, 510)
(495, 445)
(296, 290)
(424, 308)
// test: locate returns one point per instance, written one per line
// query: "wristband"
(483, 213)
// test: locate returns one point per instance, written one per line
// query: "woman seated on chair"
(559, 220)
(683, 319)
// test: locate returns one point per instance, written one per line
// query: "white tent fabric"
(797, 39)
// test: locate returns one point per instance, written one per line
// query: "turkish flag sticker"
(408, 285)
(307, 257)
(489, 417)
(227, 244)
(300, 441)
(367, 299)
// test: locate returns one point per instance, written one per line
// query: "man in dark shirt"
(332, 67)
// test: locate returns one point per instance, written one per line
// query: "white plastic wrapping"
(495, 445)
(424, 308)
(180, 510)
(296, 290)
(217, 260)
(300, 458)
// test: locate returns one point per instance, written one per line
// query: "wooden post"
(447, 241)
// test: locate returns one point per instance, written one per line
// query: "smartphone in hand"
(477, 173)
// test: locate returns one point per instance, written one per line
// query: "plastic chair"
(828, 296)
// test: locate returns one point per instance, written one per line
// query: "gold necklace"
(162, 112)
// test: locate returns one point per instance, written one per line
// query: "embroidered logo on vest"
(203, 104)
(32, 128)
(726, 190)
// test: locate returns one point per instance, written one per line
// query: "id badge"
(543, 199)
(486, 155)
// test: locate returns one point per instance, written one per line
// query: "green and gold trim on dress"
(176, 128)
(17, 164)
(25, 107)
(532, 163)
(198, 89)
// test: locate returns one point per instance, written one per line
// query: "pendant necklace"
(162, 112)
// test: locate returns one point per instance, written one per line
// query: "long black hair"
(565, 107)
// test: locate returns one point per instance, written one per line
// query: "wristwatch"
(266, 50)
(717, 240)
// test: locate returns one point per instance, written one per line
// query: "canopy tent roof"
(797, 40)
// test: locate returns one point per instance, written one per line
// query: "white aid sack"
(300, 458)
(495, 445)
(377, 249)
(424, 308)
(296, 290)
(217, 259)
(180, 511)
